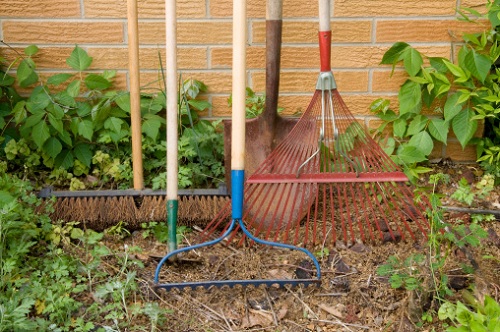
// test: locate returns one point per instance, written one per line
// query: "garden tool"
(328, 179)
(237, 176)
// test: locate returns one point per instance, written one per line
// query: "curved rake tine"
(232, 283)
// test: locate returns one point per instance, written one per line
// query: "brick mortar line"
(82, 8)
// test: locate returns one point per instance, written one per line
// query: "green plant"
(160, 231)
(73, 130)
(486, 318)
(458, 95)
(465, 193)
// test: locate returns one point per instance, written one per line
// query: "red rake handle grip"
(325, 41)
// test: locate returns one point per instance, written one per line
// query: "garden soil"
(351, 296)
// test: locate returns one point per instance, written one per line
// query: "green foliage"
(458, 94)
(465, 193)
(73, 130)
(486, 318)
(404, 274)
(160, 231)
(56, 277)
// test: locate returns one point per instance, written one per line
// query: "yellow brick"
(62, 32)
(455, 152)
(222, 57)
(349, 8)
(382, 81)
(146, 8)
(199, 32)
(479, 5)
(47, 57)
(257, 8)
(298, 81)
(424, 30)
(220, 106)
(307, 32)
(217, 82)
(40, 8)
(117, 58)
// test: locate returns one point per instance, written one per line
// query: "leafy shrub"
(73, 130)
(459, 95)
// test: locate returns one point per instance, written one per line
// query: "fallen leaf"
(331, 310)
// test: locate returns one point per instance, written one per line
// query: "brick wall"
(361, 31)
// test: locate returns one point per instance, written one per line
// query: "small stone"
(394, 237)
(360, 247)
(383, 225)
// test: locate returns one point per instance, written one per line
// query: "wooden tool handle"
(238, 111)
(135, 101)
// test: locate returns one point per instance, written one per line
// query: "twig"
(303, 303)
(472, 211)
(338, 322)
(330, 294)
(275, 317)
(369, 280)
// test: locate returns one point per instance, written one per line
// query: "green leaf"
(417, 125)
(394, 53)
(412, 60)
(31, 50)
(456, 71)
(26, 74)
(20, 112)
(33, 120)
(86, 129)
(399, 128)
(40, 133)
(66, 138)
(38, 100)
(380, 105)
(452, 107)
(65, 99)
(446, 311)
(73, 88)
(97, 82)
(438, 128)
(79, 59)
(6, 80)
(58, 79)
(83, 153)
(410, 154)
(438, 64)
(151, 128)
(423, 142)
(464, 127)
(56, 123)
(113, 124)
(65, 159)
(123, 101)
(410, 97)
(52, 147)
(478, 64)
(199, 105)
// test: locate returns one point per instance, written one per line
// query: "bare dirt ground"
(351, 295)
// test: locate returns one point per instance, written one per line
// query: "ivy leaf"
(113, 124)
(393, 54)
(410, 97)
(20, 112)
(65, 159)
(31, 50)
(423, 142)
(417, 125)
(97, 82)
(26, 74)
(478, 64)
(399, 127)
(410, 154)
(151, 127)
(6, 80)
(412, 60)
(438, 64)
(456, 71)
(66, 138)
(86, 129)
(464, 127)
(199, 105)
(52, 147)
(33, 120)
(56, 123)
(79, 59)
(438, 128)
(73, 88)
(452, 107)
(40, 133)
(123, 101)
(83, 153)
(58, 79)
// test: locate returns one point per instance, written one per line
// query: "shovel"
(268, 129)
